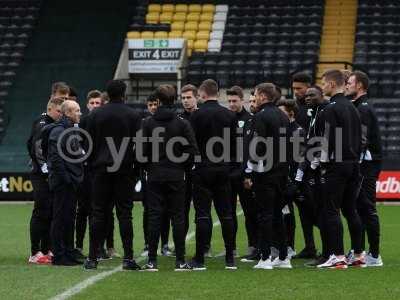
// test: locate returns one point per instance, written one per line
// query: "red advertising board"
(388, 185)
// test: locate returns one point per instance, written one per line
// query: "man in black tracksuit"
(309, 201)
(267, 172)
(165, 173)
(112, 128)
(235, 104)
(64, 159)
(340, 170)
(213, 123)
(41, 214)
(371, 161)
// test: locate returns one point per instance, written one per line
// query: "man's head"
(189, 97)
(264, 93)
(332, 82)
(116, 90)
(235, 98)
(71, 110)
(73, 94)
(300, 83)
(208, 90)
(54, 108)
(357, 84)
(152, 103)
(252, 102)
(60, 90)
(289, 107)
(94, 100)
(314, 96)
(346, 74)
(166, 94)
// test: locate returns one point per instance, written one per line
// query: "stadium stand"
(17, 21)
(377, 45)
(338, 31)
(80, 46)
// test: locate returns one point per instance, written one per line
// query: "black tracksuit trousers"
(63, 223)
(366, 205)
(340, 188)
(41, 215)
(166, 198)
(111, 189)
(210, 185)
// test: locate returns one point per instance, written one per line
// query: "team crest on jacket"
(240, 123)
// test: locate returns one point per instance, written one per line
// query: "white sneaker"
(370, 261)
(353, 261)
(274, 253)
(34, 258)
(334, 263)
(264, 264)
(290, 252)
(282, 264)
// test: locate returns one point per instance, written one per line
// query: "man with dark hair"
(94, 100)
(41, 214)
(269, 174)
(235, 104)
(340, 171)
(152, 105)
(165, 180)
(112, 127)
(252, 103)
(300, 83)
(65, 175)
(371, 161)
(212, 120)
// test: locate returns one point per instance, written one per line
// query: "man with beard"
(371, 161)
(300, 83)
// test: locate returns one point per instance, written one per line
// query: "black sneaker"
(196, 266)
(130, 264)
(316, 261)
(64, 262)
(150, 267)
(90, 264)
(103, 255)
(306, 254)
(182, 267)
(254, 257)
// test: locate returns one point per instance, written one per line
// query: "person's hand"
(247, 184)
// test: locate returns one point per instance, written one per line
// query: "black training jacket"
(117, 121)
(34, 144)
(160, 167)
(271, 124)
(208, 122)
(302, 117)
(340, 114)
(372, 148)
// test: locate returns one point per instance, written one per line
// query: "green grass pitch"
(18, 280)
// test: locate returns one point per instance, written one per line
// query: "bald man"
(65, 175)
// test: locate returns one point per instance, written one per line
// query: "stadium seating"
(377, 49)
(260, 41)
(17, 20)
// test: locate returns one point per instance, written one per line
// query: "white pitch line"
(76, 289)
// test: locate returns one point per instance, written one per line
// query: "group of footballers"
(230, 154)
